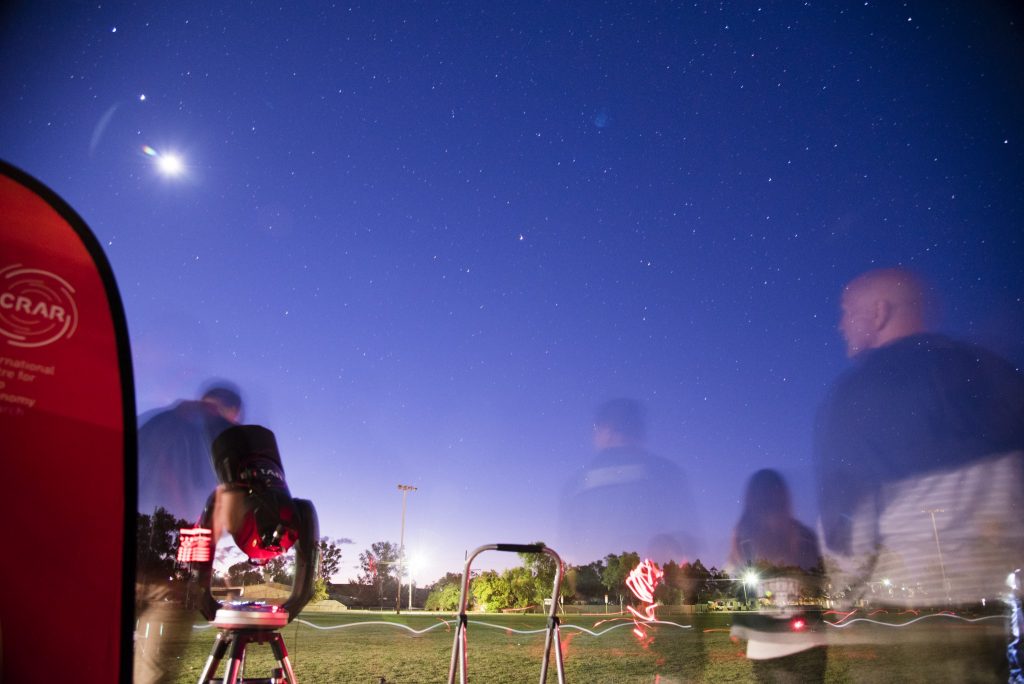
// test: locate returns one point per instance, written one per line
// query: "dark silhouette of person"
(781, 554)
(176, 477)
(626, 498)
(919, 457)
(175, 465)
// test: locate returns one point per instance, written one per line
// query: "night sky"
(428, 239)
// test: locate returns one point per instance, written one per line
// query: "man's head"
(227, 402)
(881, 306)
(619, 422)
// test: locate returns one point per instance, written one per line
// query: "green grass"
(355, 651)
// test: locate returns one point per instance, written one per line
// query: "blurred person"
(1013, 650)
(175, 465)
(626, 498)
(919, 456)
(782, 553)
(176, 478)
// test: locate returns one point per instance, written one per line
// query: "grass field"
(356, 647)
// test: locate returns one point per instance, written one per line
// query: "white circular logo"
(36, 307)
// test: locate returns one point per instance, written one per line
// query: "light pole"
(405, 489)
(942, 565)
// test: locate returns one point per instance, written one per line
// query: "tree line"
(157, 548)
(528, 584)
(599, 582)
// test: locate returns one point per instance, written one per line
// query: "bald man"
(880, 307)
(919, 455)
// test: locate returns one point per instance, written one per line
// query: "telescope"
(255, 506)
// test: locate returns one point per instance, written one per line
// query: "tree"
(379, 565)
(522, 588)
(444, 597)
(616, 570)
(444, 594)
(490, 591)
(721, 582)
(695, 581)
(543, 568)
(330, 556)
(280, 569)
(585, 581)
(157, 543)
(670, 591)
(244, 574)
(319, 590)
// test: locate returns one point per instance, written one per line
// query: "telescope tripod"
(236, 640)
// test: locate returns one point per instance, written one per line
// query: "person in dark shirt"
(175, 467)
(919, 456)
(176, 477)
(627, 498)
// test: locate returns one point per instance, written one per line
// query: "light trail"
(448, 624)
(844, 625)
(642, 581)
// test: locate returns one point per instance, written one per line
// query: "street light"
(938, 547)
(405, 489)
(750, 579)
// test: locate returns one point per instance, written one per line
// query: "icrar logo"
(37, 307)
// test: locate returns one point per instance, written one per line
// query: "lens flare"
(167, 163)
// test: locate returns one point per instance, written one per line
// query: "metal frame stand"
(552, 637)
(237, 640)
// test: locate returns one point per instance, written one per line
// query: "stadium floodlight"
(405, 489)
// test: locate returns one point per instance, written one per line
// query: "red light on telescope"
(798, 625)
(194, 545)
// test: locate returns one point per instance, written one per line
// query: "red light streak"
(797, 625)
(648, 614)
(846, 616)
(642, 581)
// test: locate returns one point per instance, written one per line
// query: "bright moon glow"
(170, 164)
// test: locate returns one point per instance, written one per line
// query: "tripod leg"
(559, 662)
(546, 657)
(235, 658)
(220, 645)
(459, 652)
(281, 653)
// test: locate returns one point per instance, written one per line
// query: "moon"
(170, 164)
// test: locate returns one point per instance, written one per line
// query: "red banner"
(67, 420)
